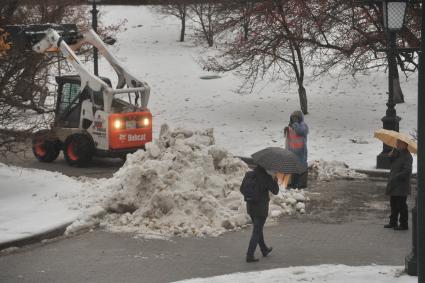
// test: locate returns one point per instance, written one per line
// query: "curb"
(373, 173)
(36, 238)
(378, 172)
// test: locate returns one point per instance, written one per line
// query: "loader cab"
(69, 99)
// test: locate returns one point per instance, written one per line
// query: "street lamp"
(94, 13)
(420, 197)
(415, 261)
(394, 13)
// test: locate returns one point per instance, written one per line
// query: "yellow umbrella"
(390, 138)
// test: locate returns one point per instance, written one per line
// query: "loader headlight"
(118, 124)
(146, 122)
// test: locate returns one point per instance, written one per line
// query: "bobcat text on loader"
(91, 117)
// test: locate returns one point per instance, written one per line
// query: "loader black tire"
(78, 150)
(44, 148)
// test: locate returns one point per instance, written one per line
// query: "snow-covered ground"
(343, 113)
(316, 274)
(33, 201)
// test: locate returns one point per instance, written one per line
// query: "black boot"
(251, 258)
(390, 225)
(401, 228)
(268, 250)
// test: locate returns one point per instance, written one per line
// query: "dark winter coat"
(266, 184)
(401, 170)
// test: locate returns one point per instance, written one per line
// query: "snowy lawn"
(343, 113)
(31, 202)
(316, 274)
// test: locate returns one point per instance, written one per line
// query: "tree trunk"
(43, 96)
(183, 30)
(303, 99)
(245, 31)
(210, 40)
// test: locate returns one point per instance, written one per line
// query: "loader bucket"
(23, 37)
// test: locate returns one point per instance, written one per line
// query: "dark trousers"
(299, 181)
(399, 207)
(257, 237)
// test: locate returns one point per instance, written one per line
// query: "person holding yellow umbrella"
(398, 186)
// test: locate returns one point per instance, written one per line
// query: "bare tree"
(267, 46)
(179, 10)
(23, 75)
(205, 16)
(351, 34)
(235, 16)
(287, 36)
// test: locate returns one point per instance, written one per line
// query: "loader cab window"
(69, 106)
(68, 94)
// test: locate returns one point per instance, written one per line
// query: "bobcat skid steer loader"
(91, 117)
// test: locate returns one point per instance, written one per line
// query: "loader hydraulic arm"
(54, 39)
(51, 40)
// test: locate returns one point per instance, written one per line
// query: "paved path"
(106, 257)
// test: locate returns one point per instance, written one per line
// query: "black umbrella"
(278, 160)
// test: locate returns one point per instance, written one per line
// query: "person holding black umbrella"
(257, 206)
(273, 164)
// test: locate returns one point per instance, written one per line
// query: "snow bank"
(328, 170)
(183, 184)
(317, 274)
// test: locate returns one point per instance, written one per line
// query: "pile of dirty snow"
(328, 170)
(183, 184)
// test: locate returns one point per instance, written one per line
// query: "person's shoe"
(401, 227)
(251, 259)
(269, 250)
(390, 226)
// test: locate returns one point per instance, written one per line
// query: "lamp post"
(394, 14)
(420, 197)
(94, 13)
(415, 261)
